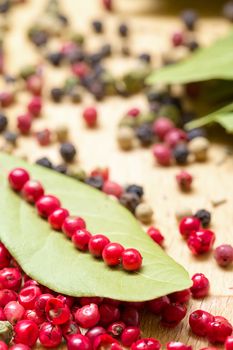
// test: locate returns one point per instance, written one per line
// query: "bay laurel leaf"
(50, 258)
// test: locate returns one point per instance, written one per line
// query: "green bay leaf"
(51, 259)
(213, 62)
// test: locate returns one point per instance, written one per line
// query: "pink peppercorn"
(87, 316)
(3, 345)
(81, 239)
(181, 297)
(112, 188)
(50, 336)
(32, 191)
(133, 112)
(24, 123)
(172, 314)
(184, 180)
(35, 106)
(162, 126)
(175, 136)
(130, 335)
(177, 39)
(57, 218)
(34, 84)
(224, 255)
(80, 69)
(17, 178)
(72, 224)
(157, 305)
(162, 154)
(43, 137)
(156, 235)
(201, 241)
(5, 257)
(26, 332)
(146, 344)
(90, 116)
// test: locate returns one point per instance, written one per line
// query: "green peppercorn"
(76, 172)
(128, 121)
(170, 111)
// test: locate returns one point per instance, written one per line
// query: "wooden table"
(98, 147)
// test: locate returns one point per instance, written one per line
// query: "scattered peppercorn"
(184, 181)
(138, 190)
(144, 213)
(145, 134)
(95, 181)
(57, 94)
(189, 17)
(97, 26)
(125, 137)
(3, 122)
(224, 255)
(130, 201)
(181, 153)
(204, 216)
(68, 152)
(45, 162)
(123, 30)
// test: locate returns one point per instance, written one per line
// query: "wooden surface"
(150, 32)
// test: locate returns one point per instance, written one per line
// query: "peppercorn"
(3, 122)
(68, 151)
(204, 216)
(61, 168)
(125, 50)
(130, 201)
(76, 172)
(192, 45)
(228, 11)
(144, 213)
(57, 94)
(55, 58)
(197, 132)
(145, 134)
(145, 57)
(97, 26)
(170, 111)
(184, 180)
(138, 190)
(11, 137)
(106, 50)
(5, 6)
(74, 94)
(128, 121)
(123, 30)
(125, 137)
(95, 181)
(189, 17)
(45, 162)
(62, 133)
(199, 148)
(6, 331)
(181, 153)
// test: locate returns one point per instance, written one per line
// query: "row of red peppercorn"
(49, 207)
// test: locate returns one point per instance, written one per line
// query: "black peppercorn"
(63, 19)
(181, 153)
(198, 132)
(39, 38)
(5, 6)
(145, 57)
(45, 162)
(57, 94)
(154, 96)
(192, 45)
(204, 216)
(97, 26)
(68, 151)
(3, 122)
(11, 137)
(145, 134)
(123, 30)
(95, 181)
(130, 201)
(189, 17)
(55, 58)
(61, 168)
(138, 190)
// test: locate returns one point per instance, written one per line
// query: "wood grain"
(98, 147)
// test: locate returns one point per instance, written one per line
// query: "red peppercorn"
(81, 239)
(103, 172)
(184, 180)
(175, 136)
(17, 178)
(201, 286)
(33, 316)
(24, 123)
(108, 314)
(131, 259)
(78, 342)
(56, 311)
(112, 188)
(199, 321)
(130, 316)
(107, 4)
(87, 316)
(218, 330)
(26, 332)
(175, 345)
(71, 224)
(130, 335)
(105, 341)
(172, 314)
(43, 137)
(133, 112)
(34, 84)
(6, 98)
(157, 305)
(3, 345)
(56, 219)
(112, 254)
(116, 328)
(32, 191)
(146, 344)
(189, 224)
(94, 332)
(97, 244)
(28, 296)
(90, 116)
(46, 205)
(162, 126)
(80, 69)
(201, 241)
(34, 106)
(41, 302)
(14, 312)
(162, 154)
(177, 39)
(66, 299)
(10, 278)
(181, 297)
(5, 257)
(224, 255)
(229, 343)
(69, 328)
(7, 295)
(156, 235)
(50, 335)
